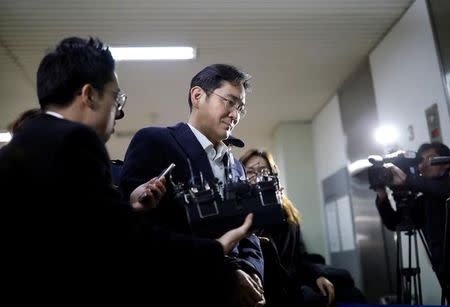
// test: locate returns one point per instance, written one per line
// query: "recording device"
(214, 208)
(380, 176)
(408, 274)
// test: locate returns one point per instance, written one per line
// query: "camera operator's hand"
(381, 192)
(399, 177)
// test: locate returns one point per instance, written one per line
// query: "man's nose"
(234, 113)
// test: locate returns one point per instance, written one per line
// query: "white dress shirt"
(214, 156)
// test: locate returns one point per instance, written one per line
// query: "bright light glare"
(386, 135)
(5, 137)
(152, 53)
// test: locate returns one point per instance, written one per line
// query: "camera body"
(211, 213)
(380, 176)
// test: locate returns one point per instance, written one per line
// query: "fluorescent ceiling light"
(152, 53)
(5, 137)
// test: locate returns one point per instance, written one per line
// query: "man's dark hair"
(439, 148)
(213, 76)
(72, 64)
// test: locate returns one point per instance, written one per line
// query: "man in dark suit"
(217, 102)
(70, 236)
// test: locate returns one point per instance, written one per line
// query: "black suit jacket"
(151, 150)
(69, 233)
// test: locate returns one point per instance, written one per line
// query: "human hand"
(258, 281)
(247, 290)
(381, 192)
(232, 237)
(326, 288)
(398, 176)
(148, 195)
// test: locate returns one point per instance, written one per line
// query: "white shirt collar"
(213, 154)
(55, 114)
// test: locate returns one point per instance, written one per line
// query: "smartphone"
(163, 174)
(166, 171)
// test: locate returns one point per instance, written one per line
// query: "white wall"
(329, 140)
(20, 94)
(329, 147)
(407, 78)
(294, 154)
(407, 81)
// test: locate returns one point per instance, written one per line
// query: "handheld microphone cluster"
(214, 208)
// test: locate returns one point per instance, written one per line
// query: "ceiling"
(298, 52)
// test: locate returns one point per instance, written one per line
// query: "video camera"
(213, 209)
(380, 176)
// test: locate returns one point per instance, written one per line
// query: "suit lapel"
(193, 150)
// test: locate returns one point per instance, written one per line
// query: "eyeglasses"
(121, 99)
(251, 171)
(233, 104)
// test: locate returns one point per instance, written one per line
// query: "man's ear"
(87, 96)
(196, 93)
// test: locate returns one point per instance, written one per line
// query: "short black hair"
(73, 63)
(439, 148)
(213, 76)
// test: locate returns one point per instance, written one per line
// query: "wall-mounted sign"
(434, 125)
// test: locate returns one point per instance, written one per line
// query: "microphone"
(440, 160)
(192, 179)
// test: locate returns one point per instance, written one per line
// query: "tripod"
(408, 277)
(445, 278)
(446, 267)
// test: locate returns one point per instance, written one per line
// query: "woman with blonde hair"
(287, 240)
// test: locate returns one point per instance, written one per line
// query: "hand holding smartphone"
(163, 174)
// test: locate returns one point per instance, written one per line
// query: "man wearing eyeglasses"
(216, 99)
(68, 235)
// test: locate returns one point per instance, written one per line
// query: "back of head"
(73, 63)
(213, 76)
